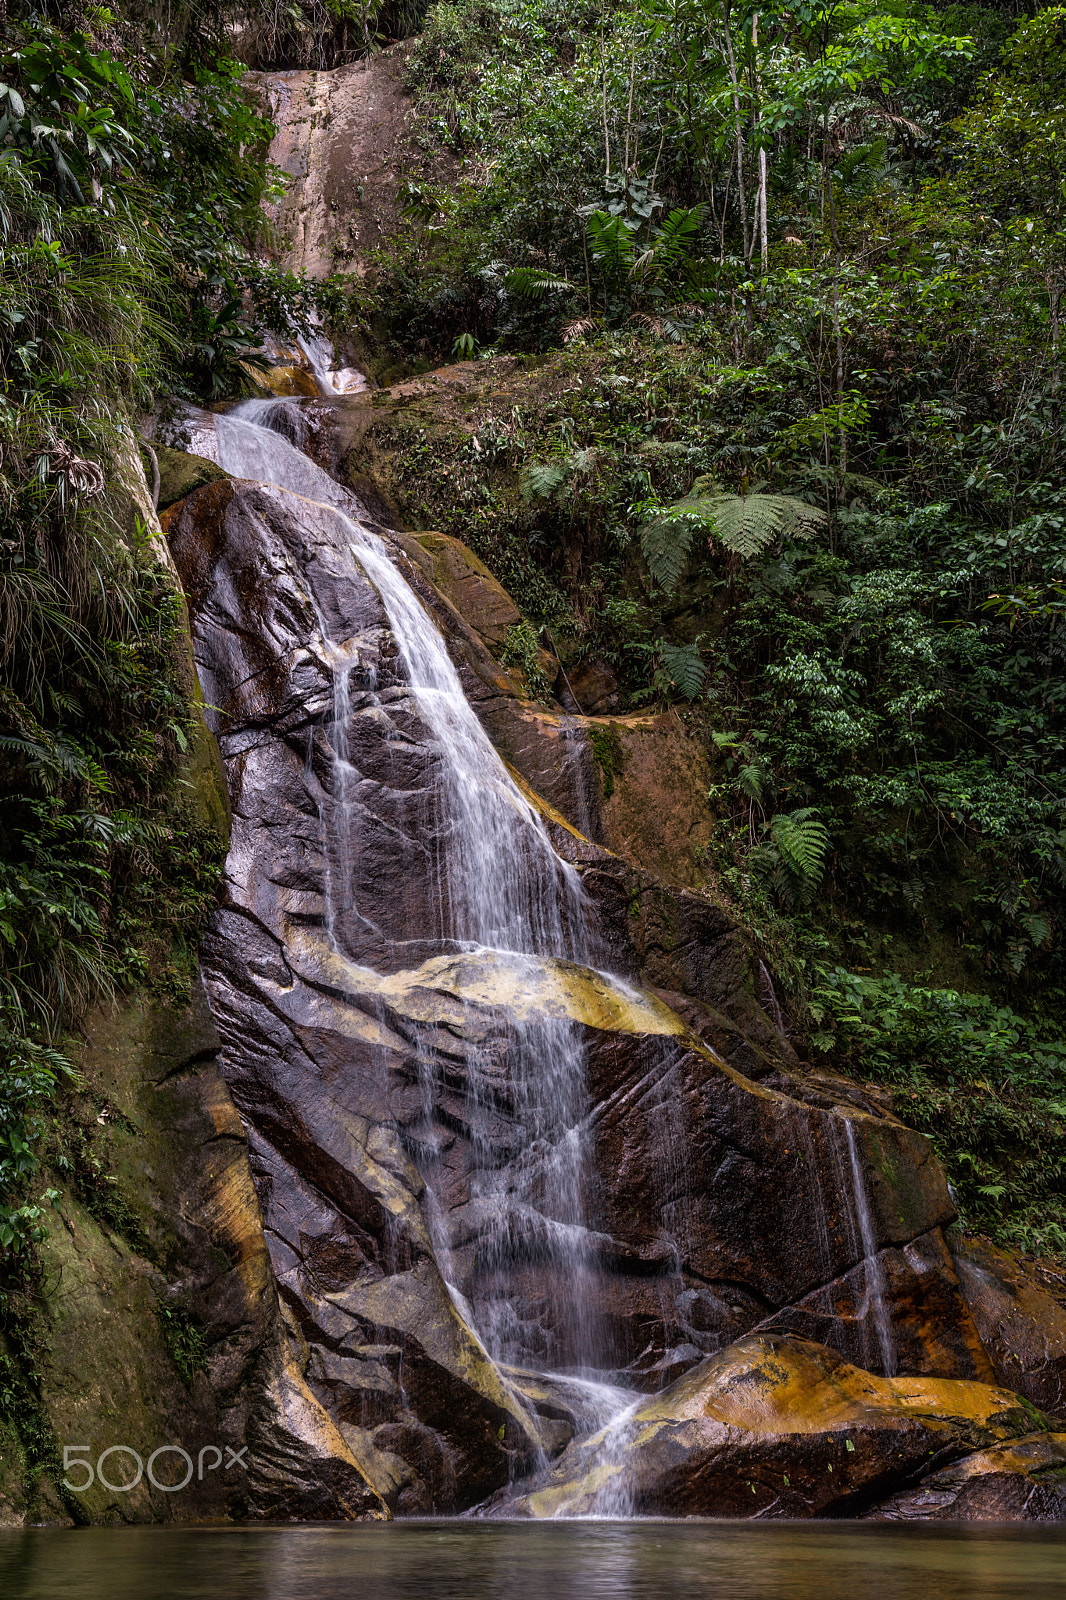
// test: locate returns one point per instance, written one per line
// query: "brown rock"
(593, 687)
(772, 1427)
(906, 1299)
(1023, 1481)
(1022, 1327)
(478, 597)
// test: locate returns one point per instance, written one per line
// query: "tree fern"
(742, 523)
(746, 523)
(683, 668)
(802, 842)
(666, 539)
(540, 479)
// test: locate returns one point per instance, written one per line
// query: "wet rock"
(378, 1065)
(466, 581)
(161, 1318)
(1022, 1327)
(181, 473)
(905, 1306)
(772, 1427)
(341, 138)
(1023, 1481)
(302, 1467)
(594, 688)
(753, 1188)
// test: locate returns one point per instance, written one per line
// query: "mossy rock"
(180, 473)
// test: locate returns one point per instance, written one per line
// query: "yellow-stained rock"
(774, 1427)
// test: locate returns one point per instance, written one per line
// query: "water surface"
(534, 1561)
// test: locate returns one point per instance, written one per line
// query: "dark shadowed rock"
(593, 687)
(1022, 1481)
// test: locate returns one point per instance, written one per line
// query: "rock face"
(161, 1324)
(414, 1196)
(344, 138)
(772, 1427)
(1022, 1481)
(1021, 1325)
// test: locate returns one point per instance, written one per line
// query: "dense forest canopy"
(785, 285)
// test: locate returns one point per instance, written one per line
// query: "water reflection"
(531, 1561)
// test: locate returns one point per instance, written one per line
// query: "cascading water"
(875, 1277)
(500, 888)
(432, 901)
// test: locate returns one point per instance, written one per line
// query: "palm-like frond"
(746, 524)
(684, 667)
(533, 284)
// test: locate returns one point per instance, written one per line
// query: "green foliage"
(683, 670)
(521, 650)
(126, 200)
(184, 1340)
(986, 1084)
(607, 753)
(801, 842)
(745, 524)
(666, 540)
(541, 479)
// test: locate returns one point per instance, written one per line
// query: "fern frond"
(666, 539)
(802, 842)
(532, 284)
(750, 780)
(746, 523)
(540, 479)
(684, 667)
(611, 241)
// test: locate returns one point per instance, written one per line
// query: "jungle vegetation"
(785, 286)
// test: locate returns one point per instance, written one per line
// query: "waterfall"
(875, 1276)
(505, 924)
(502, 888)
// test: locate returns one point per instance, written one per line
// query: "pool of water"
(536, 1561)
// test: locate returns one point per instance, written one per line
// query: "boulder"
(466, 581)
(1023, 1480)
(180, 473)
(593, 688)
(773, 1426)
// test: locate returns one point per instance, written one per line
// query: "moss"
(520, 649)
(608, 753)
